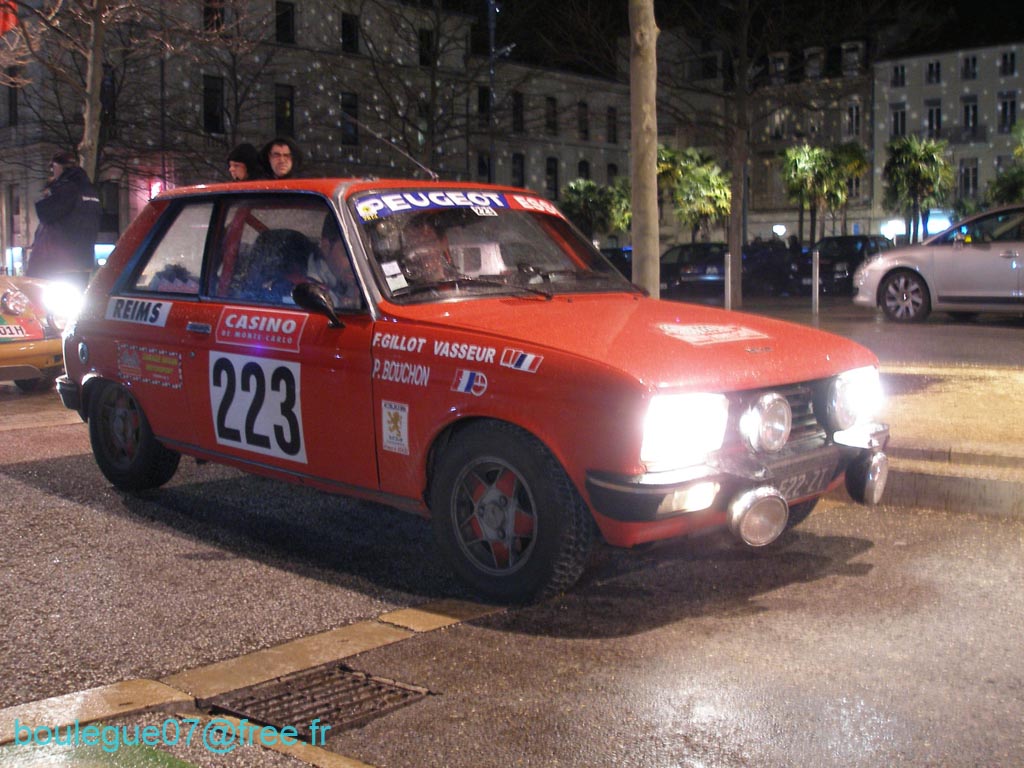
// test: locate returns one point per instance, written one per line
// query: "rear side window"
(174, 264)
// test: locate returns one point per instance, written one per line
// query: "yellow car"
(32, 316)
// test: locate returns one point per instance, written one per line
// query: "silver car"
(974, 266)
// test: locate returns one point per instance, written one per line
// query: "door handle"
(1009, 254)
(193, 327)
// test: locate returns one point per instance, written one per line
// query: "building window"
(583, 169)
(583, 120)
(349, 128)
(551, 177)
(970, 111)
(213, 104)
(1008, 64)
(1007, 117)
(612, 172)
(969, 68)
(12, 96)
(853, 188)
(969, 177)
(213, 15)
(518, 112)
(934, 72)
(483, 166)
(518, 169)
(898, 120)
(612, 119)
(285, 22)
(483, 107)
(899, 76)
(109, 193)
(428, 55)
(853, 119)
(349, 33)
(550, 115)
(284, 110)
(934, 108)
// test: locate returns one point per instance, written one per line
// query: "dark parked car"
(693, 266)
(621, 258)
(839, 258)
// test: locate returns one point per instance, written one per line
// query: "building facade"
(367, 88)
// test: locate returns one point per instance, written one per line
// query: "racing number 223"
(256, 405)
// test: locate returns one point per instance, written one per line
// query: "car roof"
(329, 185)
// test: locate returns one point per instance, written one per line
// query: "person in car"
(331, 267)
(425, 248)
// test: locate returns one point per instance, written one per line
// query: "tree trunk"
(89, 147)
(738, 155)
(643, 77)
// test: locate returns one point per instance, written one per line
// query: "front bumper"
(796, 474)
(30, 360)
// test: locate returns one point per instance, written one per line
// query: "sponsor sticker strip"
(149, 365)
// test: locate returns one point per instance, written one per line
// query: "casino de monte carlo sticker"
(395, 424)
(702, 335)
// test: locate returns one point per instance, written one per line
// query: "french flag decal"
(521, 361)
(470, 382)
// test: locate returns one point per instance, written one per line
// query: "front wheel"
(506, 516)
(904, 297)
(126, 451)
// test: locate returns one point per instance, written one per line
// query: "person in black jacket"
(281, 158)
(69, 219)
(244, 163)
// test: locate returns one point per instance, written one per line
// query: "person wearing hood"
(282, 158)
(244, 163)
(69, 214)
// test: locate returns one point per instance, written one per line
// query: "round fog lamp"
(767, 423)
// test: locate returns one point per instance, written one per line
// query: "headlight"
(767, 422)
(62, 302)
(681, 430)
(14, 302)
(853, 396)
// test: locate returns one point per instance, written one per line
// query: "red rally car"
(462, 352)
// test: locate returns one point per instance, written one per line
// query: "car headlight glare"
(681, 430)
(853, 396)
(767, 422)
(62, 301)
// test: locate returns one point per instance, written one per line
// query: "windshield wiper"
(466, 280)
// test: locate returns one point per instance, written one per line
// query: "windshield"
(439, 244)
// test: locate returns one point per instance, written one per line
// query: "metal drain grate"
(337, 695)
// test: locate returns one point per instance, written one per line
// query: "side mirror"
(315, 298)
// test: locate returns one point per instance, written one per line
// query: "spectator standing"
(69, 213)
(244, 163)
(282, 158)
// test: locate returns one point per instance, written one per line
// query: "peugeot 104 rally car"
(32, 316)
(462, 352)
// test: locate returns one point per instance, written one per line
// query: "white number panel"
(256, 405)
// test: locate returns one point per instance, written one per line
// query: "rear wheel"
(904, 297)
(123, 443)
(506, 516)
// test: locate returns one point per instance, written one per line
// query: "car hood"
(662, 344)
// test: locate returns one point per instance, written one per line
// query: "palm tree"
(916, 175)
(803, 175)
(852, 163)
(702, 196)
(587, 205)
(621, 214)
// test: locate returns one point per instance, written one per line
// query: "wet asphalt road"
(886, 636)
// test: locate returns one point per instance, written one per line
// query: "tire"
(506, 516)
(904, 297)
(800, 512)
(34, 385)
(123, 443)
